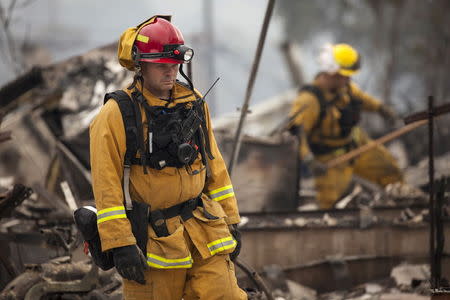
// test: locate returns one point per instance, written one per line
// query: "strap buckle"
(188, 207)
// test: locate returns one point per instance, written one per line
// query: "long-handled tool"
(412, 122)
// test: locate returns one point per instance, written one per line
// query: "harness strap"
(137, 99)
(204, 130)
(203, 152)
(157, 218)
(126, 109)
(132, 119)
(324, 104)
(203, 137)
(155, 163)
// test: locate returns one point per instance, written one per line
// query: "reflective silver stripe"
(126, 188)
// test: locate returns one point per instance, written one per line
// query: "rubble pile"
(362, 217)
(67, 280)
(44, 171)
(407, 282)
(44, 177)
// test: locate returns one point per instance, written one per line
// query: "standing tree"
(11, 49)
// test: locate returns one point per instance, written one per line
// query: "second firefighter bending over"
(326, 114)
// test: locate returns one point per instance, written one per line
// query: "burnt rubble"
(354, 251)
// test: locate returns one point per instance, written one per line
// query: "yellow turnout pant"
(376, 165)
(209, 279)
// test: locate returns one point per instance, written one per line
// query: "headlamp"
(188, 54)
(179, 52)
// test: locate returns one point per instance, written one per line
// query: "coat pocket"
(212, 208)
(169, 252)
(213, 232)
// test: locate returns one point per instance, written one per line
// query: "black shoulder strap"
(322, 101)
(353, 98)
(129, 121)
(200, 107)
(204, 127)
(184, 84)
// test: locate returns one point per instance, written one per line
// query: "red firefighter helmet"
(161, 42)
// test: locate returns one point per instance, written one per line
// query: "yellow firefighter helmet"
(339, 58)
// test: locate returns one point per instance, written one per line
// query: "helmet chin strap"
(137, 69)
(186, 77)
(137, 78)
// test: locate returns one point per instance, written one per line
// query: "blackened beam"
(432, 210)
(5, 136)
(254, 277)
(13, 199)
(439, 110)
(20, 85)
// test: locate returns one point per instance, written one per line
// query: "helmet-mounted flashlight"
(179, 52)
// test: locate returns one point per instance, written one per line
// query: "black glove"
(130, 263)
(388, 114)
(237, 236)
(294, 130)
(317, 168)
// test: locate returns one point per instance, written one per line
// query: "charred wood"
(21, 85)
(13, 198)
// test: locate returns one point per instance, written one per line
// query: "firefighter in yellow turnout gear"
(192, 206)
(325, 114)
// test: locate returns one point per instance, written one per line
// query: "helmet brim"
(162, 60)
(347, 73)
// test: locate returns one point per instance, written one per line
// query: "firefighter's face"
(159, 78)
(337, 81)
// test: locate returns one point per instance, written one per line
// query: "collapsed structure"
(45, 176)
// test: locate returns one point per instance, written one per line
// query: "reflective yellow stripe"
(221, 193)
(221, 245)
(166, 263)
(142, 38)
(121, 216)
(115, 208)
